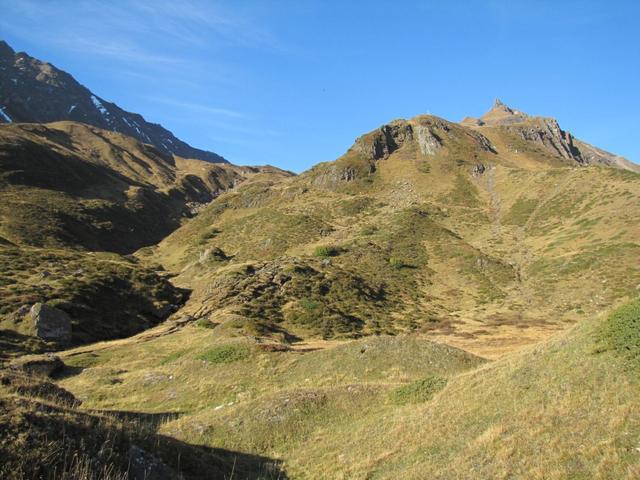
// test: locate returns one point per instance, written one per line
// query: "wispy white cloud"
(135, 31)
(197, 107)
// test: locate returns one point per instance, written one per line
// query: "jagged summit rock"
(32, 91)
(547, 133)
(502, 114)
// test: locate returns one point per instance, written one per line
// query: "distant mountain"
(32, 91)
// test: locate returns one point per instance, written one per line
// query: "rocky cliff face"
(428, 132)
(32, 91)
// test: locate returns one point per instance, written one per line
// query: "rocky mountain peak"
(502, 114)
(498, 104)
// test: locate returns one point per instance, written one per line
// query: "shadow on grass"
(65, 440)
(13, 344)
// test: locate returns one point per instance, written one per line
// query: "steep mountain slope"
(32, 91)
(423, 225)
(70, 193)
(72, 184)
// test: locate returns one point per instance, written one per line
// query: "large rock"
(51, 323)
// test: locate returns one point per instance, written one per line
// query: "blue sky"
(293, 83)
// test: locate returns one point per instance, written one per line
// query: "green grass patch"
(225, 354)
(204, 323)
(520, 211)
(621, 333)
(419, 391)
(325, 251)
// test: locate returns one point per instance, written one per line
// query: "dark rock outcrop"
(383, 142)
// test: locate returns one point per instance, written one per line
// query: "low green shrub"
(325, 251)
(225, 354)
(204, 323)
(621, 333)
(397, 263)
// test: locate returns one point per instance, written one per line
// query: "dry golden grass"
(565, 408)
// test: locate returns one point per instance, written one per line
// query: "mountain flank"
(440, 302)
(32, 91)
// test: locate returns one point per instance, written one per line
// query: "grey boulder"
(51, 323)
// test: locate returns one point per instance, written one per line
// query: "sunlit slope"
(386, 407)
(423, 225)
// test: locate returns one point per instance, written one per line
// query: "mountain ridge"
(33, 91)
(547, 132)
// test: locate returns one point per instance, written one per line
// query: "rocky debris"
(41, 365)
(145, 466)
(51, 323)
(483, 142)
(478, 169)
(152, 378)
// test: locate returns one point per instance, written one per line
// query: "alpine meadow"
(449, 298)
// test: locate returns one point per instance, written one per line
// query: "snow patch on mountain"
(5, 116)
(98, 104)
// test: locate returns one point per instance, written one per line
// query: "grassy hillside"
(436, 303)
(106, 295)
(71, 193)
(423, 226)
(69, 184)
(387, 407)
(45, 435)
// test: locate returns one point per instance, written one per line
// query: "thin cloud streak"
(195, 107)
